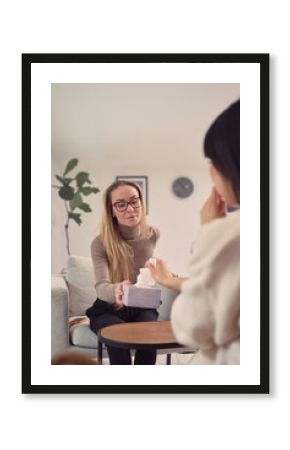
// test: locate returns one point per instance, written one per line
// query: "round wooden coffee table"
(140, 335)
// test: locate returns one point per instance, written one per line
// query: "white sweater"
(207, 312)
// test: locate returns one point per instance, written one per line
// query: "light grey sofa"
(71, 294)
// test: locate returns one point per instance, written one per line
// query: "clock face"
(182, 187)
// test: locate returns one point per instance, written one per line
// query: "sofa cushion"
(80, 282)
(167, 298)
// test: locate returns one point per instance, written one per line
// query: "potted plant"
(71, 190)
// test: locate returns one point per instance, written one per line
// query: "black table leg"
(100, 352)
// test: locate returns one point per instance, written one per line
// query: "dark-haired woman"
(124, 245)
(207, 312)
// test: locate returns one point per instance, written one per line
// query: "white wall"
(203, 421)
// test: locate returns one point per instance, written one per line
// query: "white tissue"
(152, 261)
(144, 279)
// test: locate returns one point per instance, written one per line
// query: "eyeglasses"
(122, 206)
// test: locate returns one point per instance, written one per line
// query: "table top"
(140, 335)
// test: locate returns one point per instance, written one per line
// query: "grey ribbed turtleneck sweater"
(143, 249)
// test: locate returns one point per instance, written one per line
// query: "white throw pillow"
(80, 281)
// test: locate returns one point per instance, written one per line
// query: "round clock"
(182, 187)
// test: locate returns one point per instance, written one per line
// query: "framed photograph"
(137, 113)
(142, 182)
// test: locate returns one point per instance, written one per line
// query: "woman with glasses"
(125, 243)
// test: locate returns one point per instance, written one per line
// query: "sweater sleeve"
(206, 313)
(104, 287)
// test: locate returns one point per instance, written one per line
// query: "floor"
(176, 358)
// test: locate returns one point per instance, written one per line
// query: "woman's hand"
(161, 273)
(213, 208)
(119, 291)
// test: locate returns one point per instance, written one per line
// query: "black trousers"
(103, 314)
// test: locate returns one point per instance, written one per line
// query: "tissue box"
(141, 297)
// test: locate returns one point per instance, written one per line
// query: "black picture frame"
(28, 60)
(142, 182)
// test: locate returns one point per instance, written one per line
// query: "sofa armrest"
(59, 315)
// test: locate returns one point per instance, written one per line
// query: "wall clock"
(182, 187)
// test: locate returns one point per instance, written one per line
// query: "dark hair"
(222, 145)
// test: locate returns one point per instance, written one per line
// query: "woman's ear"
(222, 185)
(213, 171)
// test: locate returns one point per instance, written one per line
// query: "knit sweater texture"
(142, 247)
(206, 314)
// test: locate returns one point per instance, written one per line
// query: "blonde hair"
(119, 253)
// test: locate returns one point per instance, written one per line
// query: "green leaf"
(66, 192)
(85, 207)
(87, 190)
(81, 178)
(76, 201)
(70, 165)
(59, 178)
(76, 217)
(64, 181)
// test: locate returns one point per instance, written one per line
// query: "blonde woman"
(125, 243)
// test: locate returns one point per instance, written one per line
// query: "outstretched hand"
(161, 273)
(214, 207)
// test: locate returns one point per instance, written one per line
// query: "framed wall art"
(141, 113)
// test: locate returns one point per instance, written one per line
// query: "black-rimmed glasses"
(122, 206)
